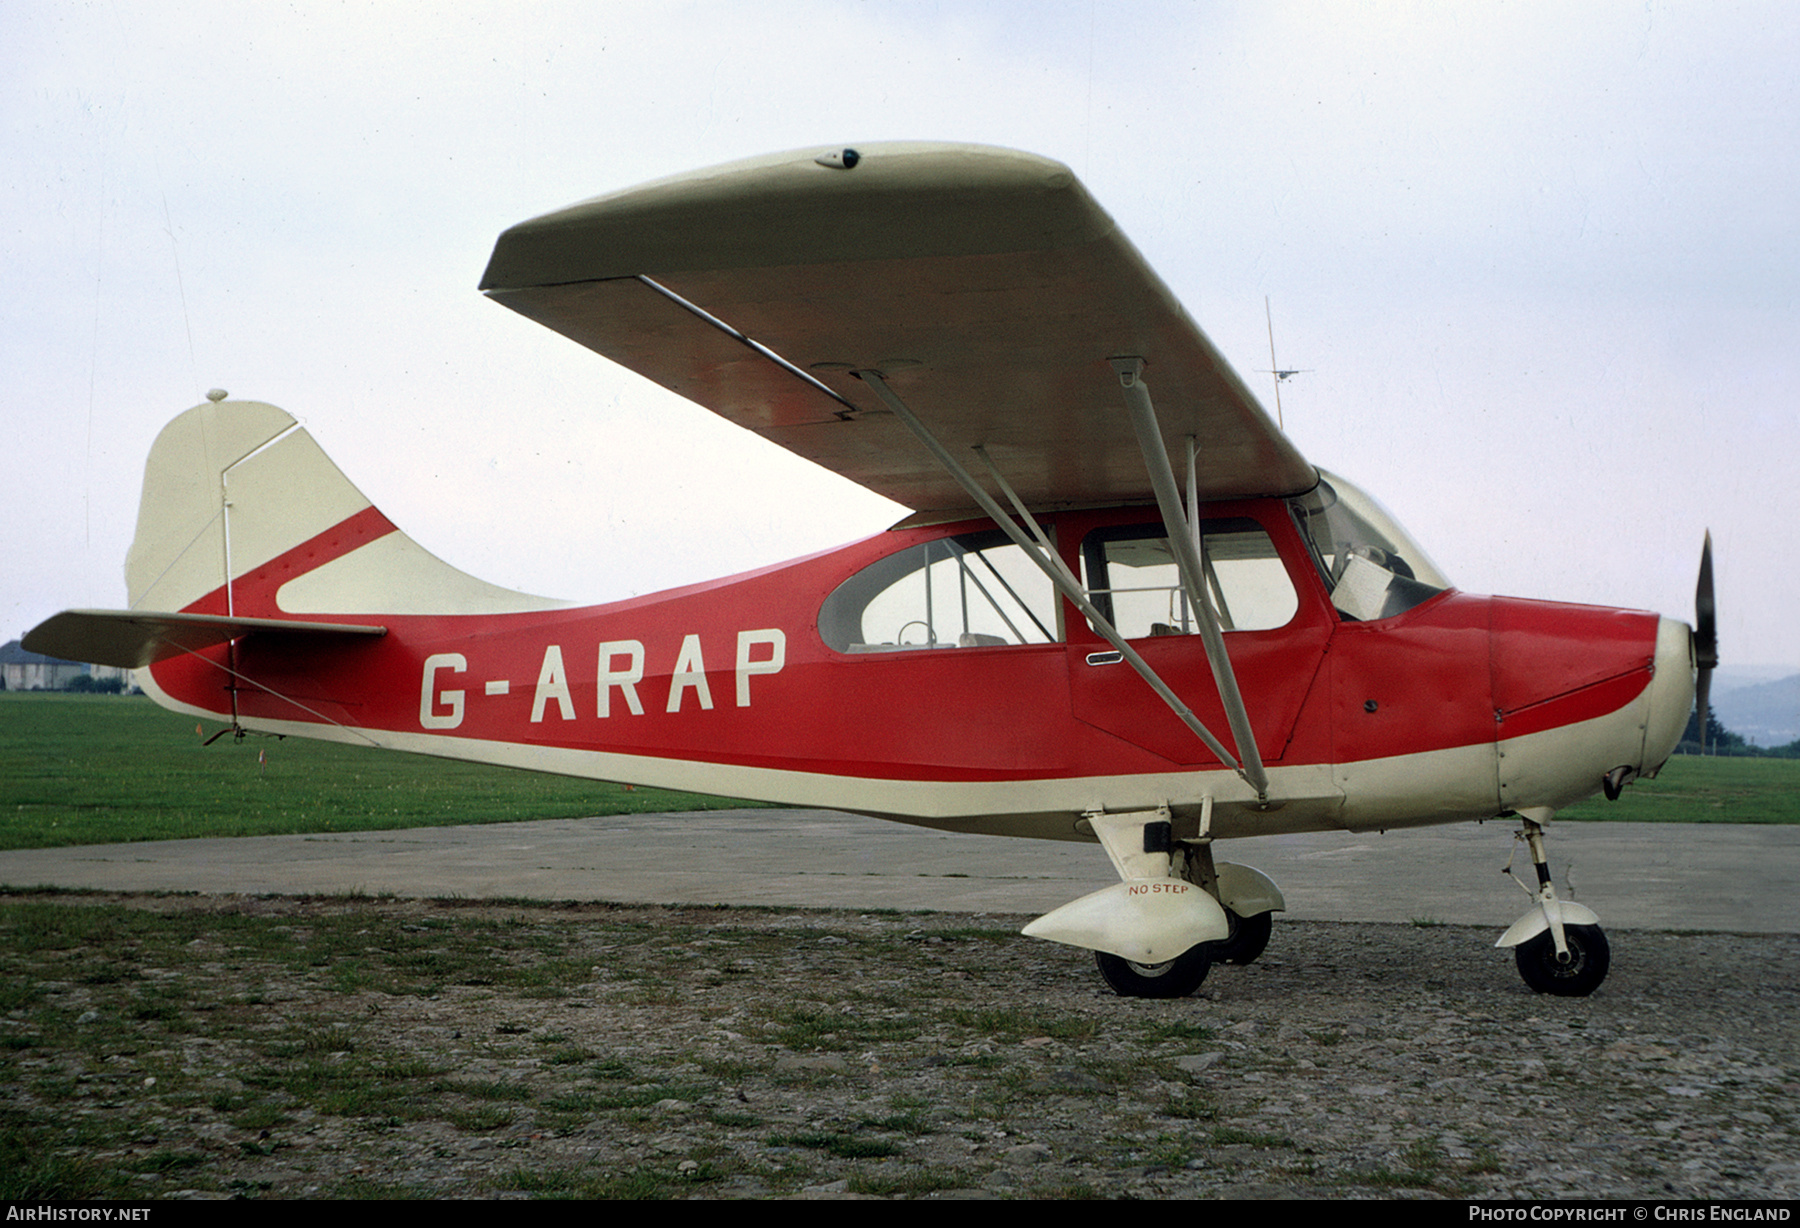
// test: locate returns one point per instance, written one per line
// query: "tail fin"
(243, 515)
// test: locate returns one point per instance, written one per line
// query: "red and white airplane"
(1125, 609)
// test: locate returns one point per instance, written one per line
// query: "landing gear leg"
(1235, 887)
(1558, 945)
(1152, 931)
(1175, 914)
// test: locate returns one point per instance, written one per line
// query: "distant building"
(33, 671)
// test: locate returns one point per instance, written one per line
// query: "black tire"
(1177, 978)
(1579, 976)
(1249, 936)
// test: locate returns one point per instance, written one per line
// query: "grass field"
(92, 769)
(1692, 789)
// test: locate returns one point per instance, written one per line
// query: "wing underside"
(987, 287)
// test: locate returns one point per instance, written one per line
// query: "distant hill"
(1732, 675)
(1766, 713)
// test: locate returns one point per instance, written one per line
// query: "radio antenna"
(1275, 368)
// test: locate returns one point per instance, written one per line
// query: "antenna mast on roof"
(1275, 368)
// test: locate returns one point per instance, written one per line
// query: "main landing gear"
(1175, 978)
(1157, 933)
(1250, 899)
(1559, 945)
(1249, 935)
(1181, 976)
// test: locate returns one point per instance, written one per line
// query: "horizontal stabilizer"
(131, 639)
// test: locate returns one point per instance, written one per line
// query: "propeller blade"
(1706, 638)
(1706, 633)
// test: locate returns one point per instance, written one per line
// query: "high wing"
(985, 285)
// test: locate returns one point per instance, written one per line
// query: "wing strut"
(1184, 540)
(1040, 552)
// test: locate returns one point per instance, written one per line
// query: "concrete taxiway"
(1728, 877)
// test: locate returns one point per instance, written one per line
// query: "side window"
(973, 591)
(1133, 578)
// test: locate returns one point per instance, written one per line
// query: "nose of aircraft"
(1671, 693)
(1586, 697)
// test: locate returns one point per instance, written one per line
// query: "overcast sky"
(1537, 261)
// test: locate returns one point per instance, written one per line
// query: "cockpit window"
(973, 591)
(1370, 565)
(1131, 574)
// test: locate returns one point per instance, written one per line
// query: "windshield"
(1370, 565)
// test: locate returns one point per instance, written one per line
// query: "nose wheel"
(1558, 945)
(1574, 973)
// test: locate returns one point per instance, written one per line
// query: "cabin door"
(1275, 633)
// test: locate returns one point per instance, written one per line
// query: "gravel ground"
(457, 1049)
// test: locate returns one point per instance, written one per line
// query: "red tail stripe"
(254, 591)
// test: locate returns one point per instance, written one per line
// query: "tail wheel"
(1249, 935)
(1176, 978)
(1578, 975)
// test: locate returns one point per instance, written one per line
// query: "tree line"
(1722, 741)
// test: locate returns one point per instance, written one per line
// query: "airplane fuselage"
(950, 691)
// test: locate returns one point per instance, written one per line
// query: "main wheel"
(1176, 978)
(1577, 976)
(1249, 935)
